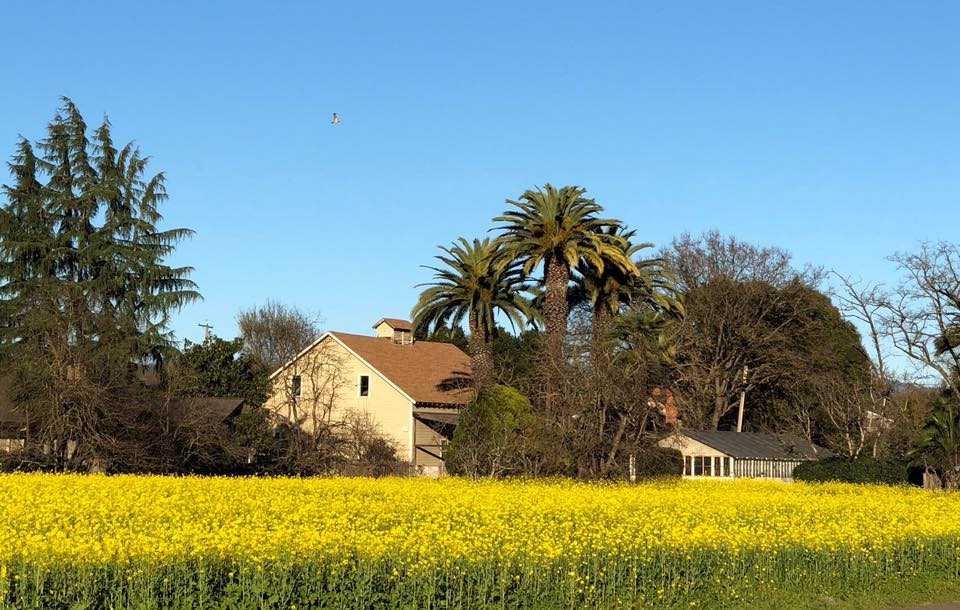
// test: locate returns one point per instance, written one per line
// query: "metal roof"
(758, 445)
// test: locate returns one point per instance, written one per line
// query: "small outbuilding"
(720, 453)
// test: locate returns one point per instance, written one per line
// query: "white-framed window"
(706, 466)
(363, 386)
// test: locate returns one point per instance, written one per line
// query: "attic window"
(295, 385)
(364, 385)
(402, 337)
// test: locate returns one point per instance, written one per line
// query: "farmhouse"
(410, 391)
(718, 453)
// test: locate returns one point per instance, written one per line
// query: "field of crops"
(144, 542)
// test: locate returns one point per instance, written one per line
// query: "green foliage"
(85, 290)
(611, 288)
(515, 357)
(817, 329)
(560, 228)
(485, 441)
(937, 445)
(444, 334)
(659, 462)
(475, 283)
(562, 225)
(221, 368)
(90, 230)
(859, 470)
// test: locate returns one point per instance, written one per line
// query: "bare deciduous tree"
(274, 333)
(868, 404)
(695, 261)
(921, 317)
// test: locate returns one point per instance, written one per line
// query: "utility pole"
(743, 399)
(206, 326)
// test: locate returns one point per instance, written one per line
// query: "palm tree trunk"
(481, 354)
(600, 334)
(555, 307)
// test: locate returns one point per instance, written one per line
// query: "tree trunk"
(600, 334)
(719, 409)
(614, 446)
(555, 308)
(481, 356)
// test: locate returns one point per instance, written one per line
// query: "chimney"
(397, 330)
(663, 399)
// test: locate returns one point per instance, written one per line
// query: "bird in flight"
(336, 119)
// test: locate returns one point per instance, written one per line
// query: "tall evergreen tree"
(85, 293)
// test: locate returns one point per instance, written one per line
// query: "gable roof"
(395, 323)
(758, 445)
(426, 371)
(221, 408)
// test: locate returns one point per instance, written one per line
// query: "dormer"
(398, 331)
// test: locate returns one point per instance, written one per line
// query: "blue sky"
(831, 129)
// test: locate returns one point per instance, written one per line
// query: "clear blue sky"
(831, 129)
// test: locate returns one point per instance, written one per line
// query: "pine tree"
(85, 293)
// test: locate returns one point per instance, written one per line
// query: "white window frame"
(360, 386)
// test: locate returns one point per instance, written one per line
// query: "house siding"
(330, 391)
(429, 445)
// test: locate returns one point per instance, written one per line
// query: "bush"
(659, 462)
(487, 439)
(846, 470)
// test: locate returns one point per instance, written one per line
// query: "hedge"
(846, 470)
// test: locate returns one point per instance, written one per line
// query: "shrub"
(487, 438)
(846, 470)
(659, 462)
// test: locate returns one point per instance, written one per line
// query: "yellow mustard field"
(145, 541)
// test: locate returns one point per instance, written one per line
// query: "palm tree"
(476, 282)
(560, 228)
(612, 287)
(938, 444)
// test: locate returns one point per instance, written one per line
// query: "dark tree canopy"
(85, 289)
(222, 369)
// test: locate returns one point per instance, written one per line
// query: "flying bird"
(336, 119)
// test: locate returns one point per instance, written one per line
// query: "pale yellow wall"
(688, 446)
(398, 336)
(431, 440)
(333, 372)
(384, 330)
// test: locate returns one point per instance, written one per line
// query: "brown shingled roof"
(395, 323)
(428, 372)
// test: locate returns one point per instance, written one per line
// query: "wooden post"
(633, 469)
(743, 398)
